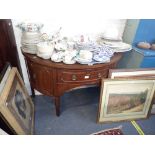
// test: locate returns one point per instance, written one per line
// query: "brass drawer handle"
(74, 77)
(86, 76)
(99, 75)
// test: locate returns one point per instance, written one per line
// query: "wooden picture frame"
(148, 73)
(16, 106)
(4, 75)
(140, 73)
(125, 99)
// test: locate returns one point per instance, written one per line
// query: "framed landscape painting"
(140, 73)
(16, 106)
(125, 99)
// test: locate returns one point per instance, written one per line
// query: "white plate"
(122, 50)
(119, 45)
(110, 39)
(29, 51)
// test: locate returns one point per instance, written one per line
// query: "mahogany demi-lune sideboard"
(54, 79)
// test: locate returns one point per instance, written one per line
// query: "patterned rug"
(113, 131)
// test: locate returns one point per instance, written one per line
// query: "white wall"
(18, 33)
(130, 30)
(70, 27)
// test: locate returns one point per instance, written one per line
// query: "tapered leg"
(57, 105)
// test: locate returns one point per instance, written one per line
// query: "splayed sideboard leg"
(57, 105)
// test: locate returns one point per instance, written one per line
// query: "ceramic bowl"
(68, 59)
(45, 48)
(57, 57)
(44, 56)
(144, 45)
(153, 46)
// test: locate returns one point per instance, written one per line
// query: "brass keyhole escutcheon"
(74, 77)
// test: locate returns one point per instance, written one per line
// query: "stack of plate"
(29, 41)
(117, 46)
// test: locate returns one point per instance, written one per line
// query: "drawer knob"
(99, 75)
(74, 77)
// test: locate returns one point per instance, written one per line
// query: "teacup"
(71, 45)
(85, 54)
(72, 53)
(68, 58)
(57, 57)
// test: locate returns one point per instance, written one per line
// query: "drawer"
(74, 76)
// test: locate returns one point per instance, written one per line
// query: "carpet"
(79, 109)
(113, 131)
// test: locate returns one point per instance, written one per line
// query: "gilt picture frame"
(125, 99)
(16, 106)
(139, 73)
(4, 75)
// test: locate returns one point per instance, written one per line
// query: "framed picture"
(4, 75)
(142, 73)
(125, 99)
(148, 73)
(16, 106)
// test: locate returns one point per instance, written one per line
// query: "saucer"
(83, 61)
(70, 62)
(56, 60)
(101, 59)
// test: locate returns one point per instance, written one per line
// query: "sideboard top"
(49, 63)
